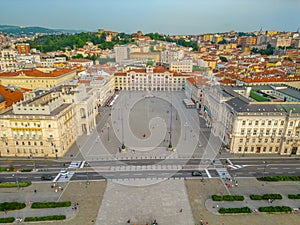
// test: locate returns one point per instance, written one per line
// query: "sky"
(163, 16)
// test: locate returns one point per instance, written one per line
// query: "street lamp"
(108, 126)
(186, 127)
(265, 167)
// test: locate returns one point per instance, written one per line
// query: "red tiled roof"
(10, 96)
(120, 74)
(37, 73)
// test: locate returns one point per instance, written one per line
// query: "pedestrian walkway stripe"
(228, 160)
(208, 174)
(82, 164)
(56, 178)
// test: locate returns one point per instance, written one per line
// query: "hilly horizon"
(31, 30)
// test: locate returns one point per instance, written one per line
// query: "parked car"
(46, 177)
(64, 172)
(196, 173)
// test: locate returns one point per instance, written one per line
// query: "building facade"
(152, 79)
(47, 123)
(36, 79)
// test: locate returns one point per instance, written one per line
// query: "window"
(242, 132)
(241, 140)
(280, 132)
(250, 122)
(278, 140)
(266, 140)
(264, 149)
(240, 149)
(285, 150)
(291, 123)
(252, 149)
(281, 122)
(246, 149)
(254, 132)
(263, 122)
(276, 149)
(244, 122)
(253, 140)
(270, 149)
(259, 140)
(256, 122)
(41, 143)
(275, 123)
(267, 132)
(269, 122)
(289, 133)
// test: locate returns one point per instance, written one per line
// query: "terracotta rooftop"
(10, 96)
(37, 73)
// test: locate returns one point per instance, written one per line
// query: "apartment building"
(23, 48)
(185, 66)
(36, 79)
(122, 52)
(150, 78)
(8, 60)
(250, 127)
(47, 123)
(171, 55)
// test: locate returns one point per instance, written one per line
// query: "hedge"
(12, 206)
(14, 184)
(275, 209)
(45, 218)
(7, 220)
(235, 210)
(294, 196)
(227, 198)
(265, 197)
(39, 205)
(279, 178)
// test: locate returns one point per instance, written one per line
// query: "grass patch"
(12, 206)
(271, 209)
(39, 205)
(7, 220)
(14, 184)
(45, 218)
(235, 210)
(258, 97)
(265, 197)
(279, 178)
(227, 198)
(294, 196)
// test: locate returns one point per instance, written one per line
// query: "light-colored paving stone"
(143, 203)
(199, 192)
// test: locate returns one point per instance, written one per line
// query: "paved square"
(142, 204)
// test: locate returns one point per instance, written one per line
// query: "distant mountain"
(33, 30)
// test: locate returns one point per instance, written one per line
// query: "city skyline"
(169, 17)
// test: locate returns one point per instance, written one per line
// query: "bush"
(235, 210)
(227, 198)
(279, 178)
(14, 184)
(11, 206)
(255, 197)
(3, 169)
(294, 196)
(7, 220)
(216, 198)
(38, 205)
(45, 218)
(275, 209)
(265, 197)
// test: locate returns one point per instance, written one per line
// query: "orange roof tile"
(10, 96)
(37, 73)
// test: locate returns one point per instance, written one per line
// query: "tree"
(223, 59)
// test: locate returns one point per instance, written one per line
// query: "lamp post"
(265, 167)
(185, 128)
(108, 126)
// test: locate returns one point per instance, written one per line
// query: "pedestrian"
(180, 210)
(35, 191)
(128, 221)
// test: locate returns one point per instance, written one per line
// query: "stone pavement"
(200, 192)
(44, 194)
(142, 202)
